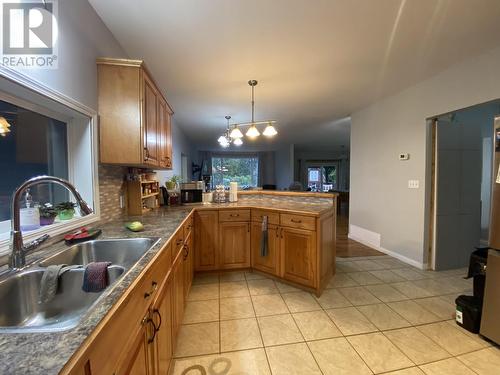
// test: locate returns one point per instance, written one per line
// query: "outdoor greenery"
(243, 170)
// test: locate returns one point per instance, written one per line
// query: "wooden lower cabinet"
(269, 263)
(298, 255)
(162, 318)
(206, 240)
(140, 359)
(188, 260)
(177, 295)
(234, 249)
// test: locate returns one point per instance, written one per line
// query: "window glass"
(32, 145)
(243, 170)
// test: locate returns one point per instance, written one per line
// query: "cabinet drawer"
(298, 221)
(272, 217)
(234, 215)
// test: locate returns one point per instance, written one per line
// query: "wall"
(383, 211)
(82, 38)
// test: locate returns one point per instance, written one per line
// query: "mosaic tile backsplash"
(111, 186)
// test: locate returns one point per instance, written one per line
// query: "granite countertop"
(47, 353)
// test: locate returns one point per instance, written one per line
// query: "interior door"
(458, 165)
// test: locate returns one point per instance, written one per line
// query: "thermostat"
(404, 156)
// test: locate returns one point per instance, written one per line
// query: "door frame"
(430, 230)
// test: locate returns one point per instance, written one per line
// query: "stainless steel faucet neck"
(18, 254)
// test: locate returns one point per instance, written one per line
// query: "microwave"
(189, 196)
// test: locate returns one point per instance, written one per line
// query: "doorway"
(462, 155)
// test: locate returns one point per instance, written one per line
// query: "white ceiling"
(316, 61)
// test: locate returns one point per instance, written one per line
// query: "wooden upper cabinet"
(150, 121)
(234, 251)
(165, 134)
(206, 241)
(298, 255)
(134, 117)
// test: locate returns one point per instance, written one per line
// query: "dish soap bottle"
(29, 216)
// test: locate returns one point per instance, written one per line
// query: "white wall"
(82, 38)
(381, 205)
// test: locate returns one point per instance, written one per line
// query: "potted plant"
(66, 210)
(173, 183)
(47, 214)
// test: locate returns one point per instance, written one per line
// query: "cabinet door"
(165, 134)
(270, 262)
(298, 255)
(162, 318)
(178, 296)
(234, 245)
(188, 265)
(150, 122)
(139, 361)
(206, 240)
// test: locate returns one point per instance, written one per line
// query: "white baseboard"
(372, 239)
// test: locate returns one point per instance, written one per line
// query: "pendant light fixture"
(235, 134)
(4, 126)
(252, 131)
(226, 139)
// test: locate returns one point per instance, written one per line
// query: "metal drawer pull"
(156, 311)
(234, 215)
(296, 221)
(149, 320)
(154, 285)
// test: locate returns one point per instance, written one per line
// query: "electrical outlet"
(413, 184)
(404, 156)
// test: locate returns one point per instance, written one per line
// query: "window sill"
(52, 230)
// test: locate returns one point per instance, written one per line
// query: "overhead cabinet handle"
(157, 312)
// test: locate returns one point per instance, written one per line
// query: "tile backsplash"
(111, 186)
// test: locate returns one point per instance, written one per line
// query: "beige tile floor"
(378, 315)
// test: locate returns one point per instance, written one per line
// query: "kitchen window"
(42, 136)
(241, 169)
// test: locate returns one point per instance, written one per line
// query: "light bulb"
(238, 142)
(236, 133)
(270, 131)
(224, 142)
(221, 139)
(252, 132)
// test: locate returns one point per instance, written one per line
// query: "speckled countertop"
(47, 353)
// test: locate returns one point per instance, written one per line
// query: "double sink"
(20, 309)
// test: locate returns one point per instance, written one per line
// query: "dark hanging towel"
(264, 240)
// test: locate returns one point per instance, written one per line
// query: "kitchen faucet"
(17, 257)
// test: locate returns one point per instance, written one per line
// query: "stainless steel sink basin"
(20, 309)
(123, 252)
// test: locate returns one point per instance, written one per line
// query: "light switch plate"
(413, 184)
